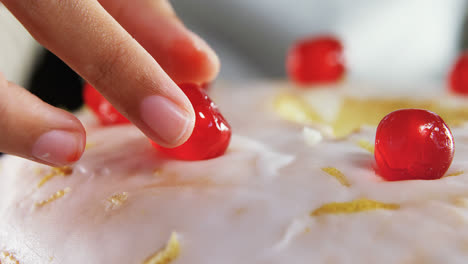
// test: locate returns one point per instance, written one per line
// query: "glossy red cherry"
(103, 110)
(458, 78)
(413, 144)
(316, 60)
(212, 133)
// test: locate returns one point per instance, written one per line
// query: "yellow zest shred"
(8, 258)
(355, 206)
(460, 202)
(456, 173)
(89, 145)
(61, 171)
(338, 175)
(240, 211)
(45, 179)
(356, 112)
(294, 109)
(366, 145)
(38, 170)
(157, 172)
(167, 254)
(172, 179)
(53, 197)
(117, 200)
(65, 170)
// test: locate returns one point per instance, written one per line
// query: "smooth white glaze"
(251, 205)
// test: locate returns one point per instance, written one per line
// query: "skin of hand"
(133, 51)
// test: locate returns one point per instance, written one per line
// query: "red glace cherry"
(413, 144)
(210, 137)
(458, 78)
(316, 60)
(211, 134)
(103, 110)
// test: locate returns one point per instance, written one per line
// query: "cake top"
(297, 183)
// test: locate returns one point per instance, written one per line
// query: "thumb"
(37, 131)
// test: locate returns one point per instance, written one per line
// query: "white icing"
(326, 102)
(312, 136)
(298, 226)
(251, 205)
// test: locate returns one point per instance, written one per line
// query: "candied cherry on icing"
(316, 60)
(458, 78)
(211, 134)
(413, 144)
(103, 110)
(210, 137)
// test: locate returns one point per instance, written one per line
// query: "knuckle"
(111, 62)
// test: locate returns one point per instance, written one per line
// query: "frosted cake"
(296, 185)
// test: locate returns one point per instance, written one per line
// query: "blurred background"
(398, 41)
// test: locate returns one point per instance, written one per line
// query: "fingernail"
(58, 147)
(165, 118)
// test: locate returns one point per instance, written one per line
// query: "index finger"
(91, 42)
(183, 55)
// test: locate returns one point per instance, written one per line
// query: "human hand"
(133, 51)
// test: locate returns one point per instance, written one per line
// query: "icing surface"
(273, 198)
